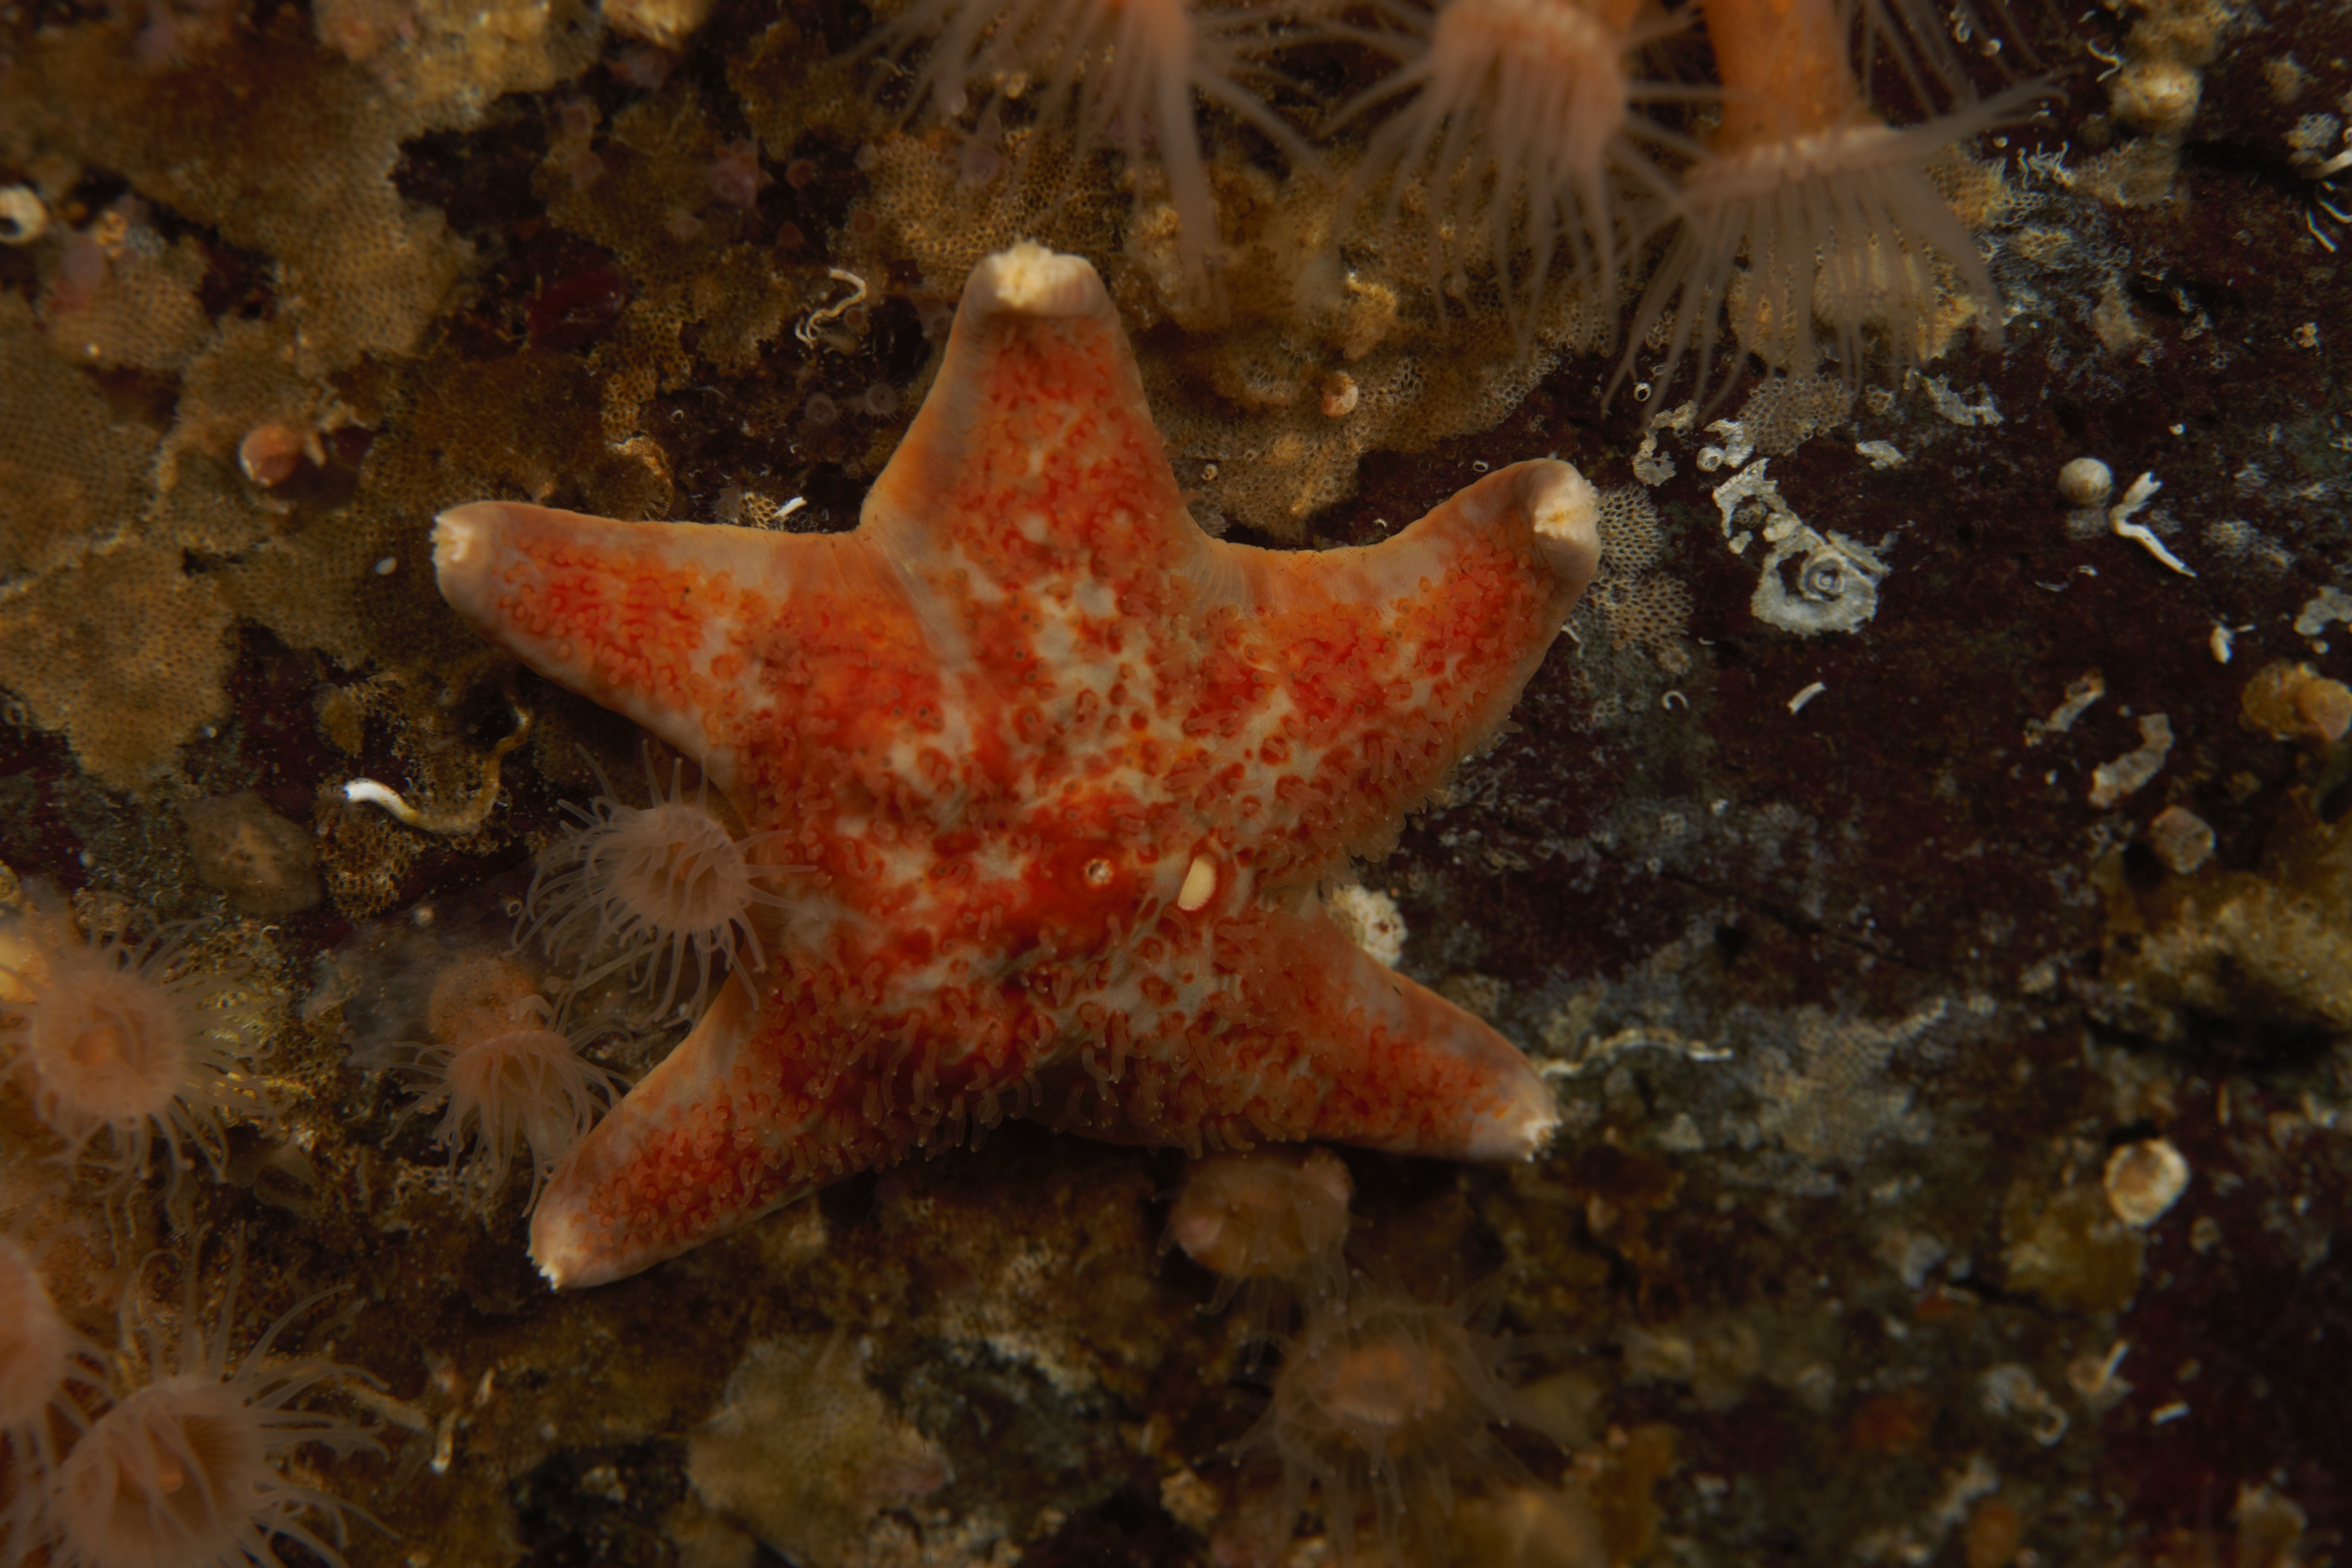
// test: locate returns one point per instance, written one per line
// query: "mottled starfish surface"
(1064, 774)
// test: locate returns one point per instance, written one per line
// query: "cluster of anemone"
(660, 902)
(167, 1453)
(172, 1462)
(509, 1086)
(1384, 1404)
(1553, 143)
(123, 1045)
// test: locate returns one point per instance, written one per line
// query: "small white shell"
(2085, 482)
(2144, 1180)
(23, 218)
(2181, 840)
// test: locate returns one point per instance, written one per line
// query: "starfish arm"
(768, 1099)
(673, 624)
(1034, 459)
(693, 1150)
(1322, 1041)
(1303, 1037)
(1373, 671)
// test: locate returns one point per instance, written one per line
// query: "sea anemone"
(180, 1474)
(128, 1040)
(503, 1078)
(1521, 139)
(1830, 207)
(1117, 73)
(42, 1360)
(736, 176)
(1841, 227)
(1383, 1404)
(1263, 1219)
(651, 892)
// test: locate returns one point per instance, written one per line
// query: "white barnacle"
(1834, 589)
(2085, 482)
(23, 218)
(2144, 1179)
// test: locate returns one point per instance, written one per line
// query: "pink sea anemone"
(1808, 208)
(652, 892)
(506, 1084)
(1274, 1216)
(1383, 1405)
(1121, 74)
(1839, 228)
(121, 1044)
(48, 1374)
(736, 176)
(1520, 140)
(182, 1472)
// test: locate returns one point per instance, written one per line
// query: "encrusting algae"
(1656, 884)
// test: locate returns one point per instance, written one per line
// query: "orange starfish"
(1065, 772)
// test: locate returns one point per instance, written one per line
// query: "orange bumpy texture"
(1062, 773)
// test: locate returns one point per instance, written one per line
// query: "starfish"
(1059, 776)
